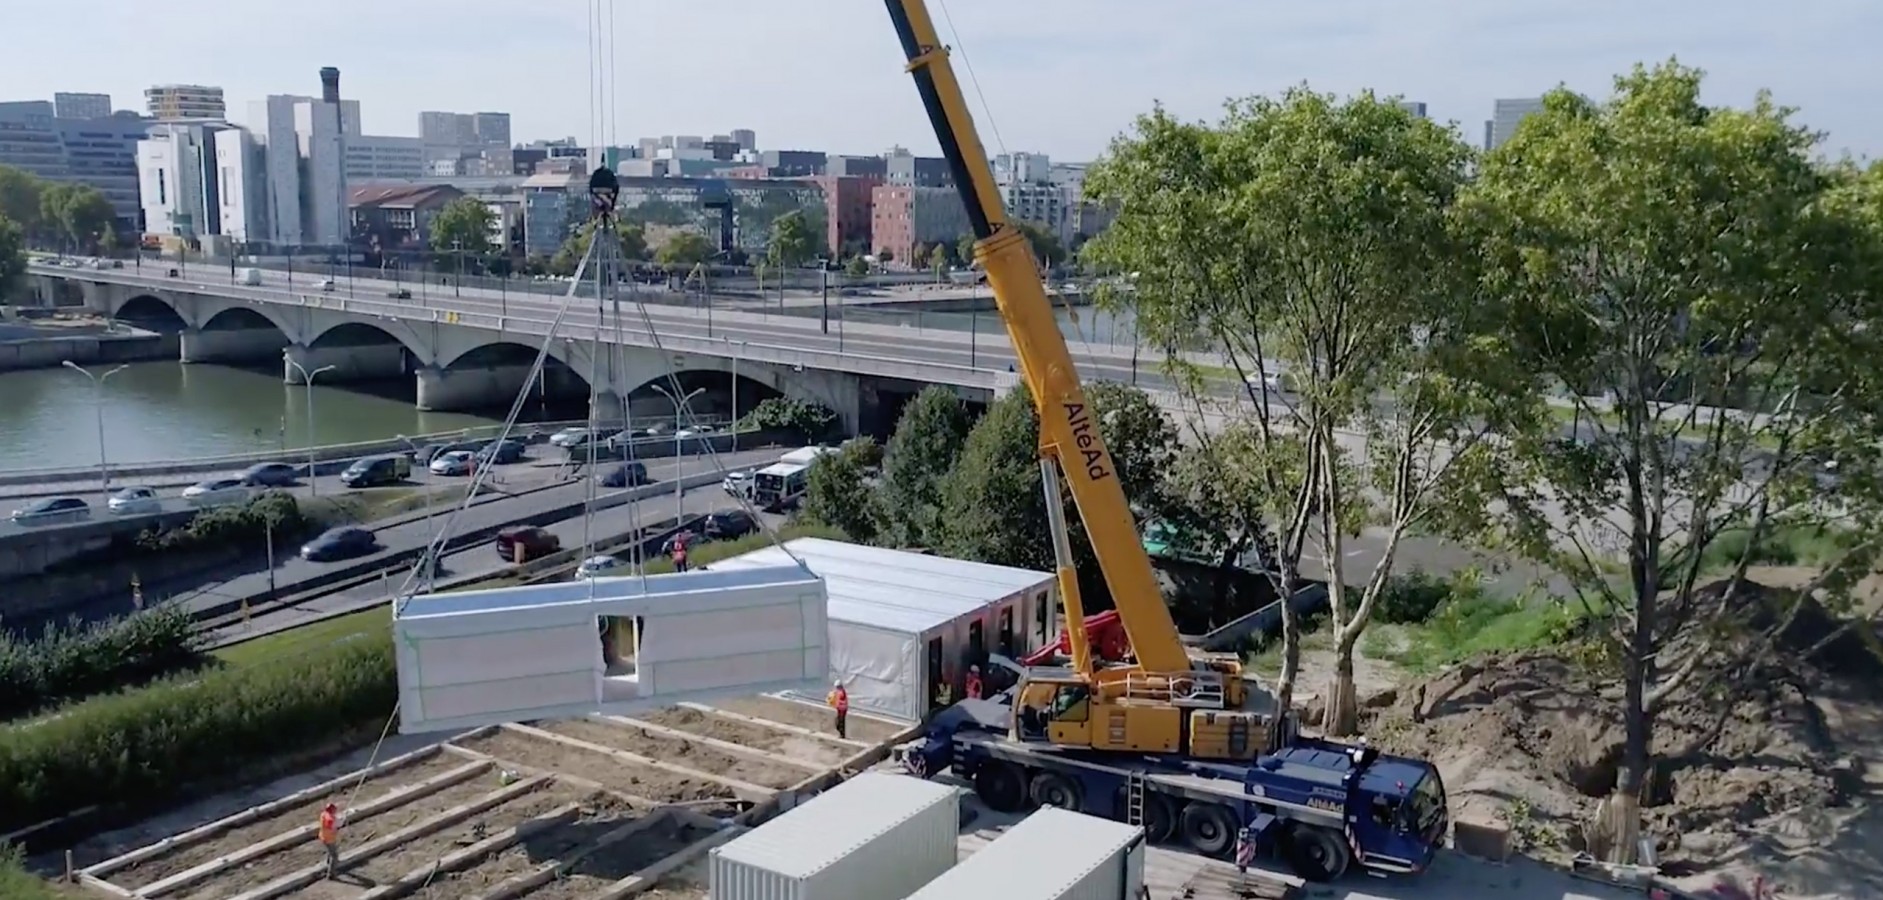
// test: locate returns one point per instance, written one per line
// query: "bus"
(780, 486)
(804, 456)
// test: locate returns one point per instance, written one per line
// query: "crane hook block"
(603, 190)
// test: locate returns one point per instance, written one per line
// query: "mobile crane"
(1163, 742)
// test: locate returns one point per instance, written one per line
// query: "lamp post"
(679, 407)
(457, 286)
(98, 400)
(307, 380)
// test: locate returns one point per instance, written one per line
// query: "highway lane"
(291, 570)
(482, 559)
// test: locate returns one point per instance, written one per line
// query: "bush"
(81, 660)
(16, 883)
(1412, 598)
(225, 525)
(148, 745)
(812, 420)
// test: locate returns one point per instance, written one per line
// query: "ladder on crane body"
(1134, 799)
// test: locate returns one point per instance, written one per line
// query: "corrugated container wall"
(877, 836)
(1051, 855)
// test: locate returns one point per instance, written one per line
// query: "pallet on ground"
(773, 774)
(637, 781)
(789, 744)
(804, 715)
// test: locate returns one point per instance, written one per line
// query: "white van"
(252, 277)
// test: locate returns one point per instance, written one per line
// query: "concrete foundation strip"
(726, 747)
(635, 800)
(647, 878)
(767, 723)
(744, 790)
(306, 832)
(219, 826)
(525, 882)
(294, 881)
(466, 857)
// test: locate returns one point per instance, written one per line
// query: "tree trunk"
(1290, 666)
(1615, 835)
(1342, 717)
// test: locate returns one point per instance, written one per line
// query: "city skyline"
(1062, 80)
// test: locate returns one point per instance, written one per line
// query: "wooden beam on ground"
(744, 790)
(635, 800)
(294, 881)
(767, 723)
(472, 855)
(727, 747)
(306, 832)
(645, 879)
(196, 835)
(102, 886)
(523, 883)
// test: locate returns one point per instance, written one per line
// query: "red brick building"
(848, 204)
(903, 216)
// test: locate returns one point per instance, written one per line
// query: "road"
(407, 536)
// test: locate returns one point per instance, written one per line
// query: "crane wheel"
(1160, 821)
(1209, 829)
(1316, 854)
(1054, 789)
(1001, 786)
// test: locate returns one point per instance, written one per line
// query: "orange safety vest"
(329, 828)
(840, 700)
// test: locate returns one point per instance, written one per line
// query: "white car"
(738, 484)
(1272, 383)
(326, 284)
(603, 566)
(217, 492)
(569, 437)
(457, 462)
(133, 501)
(695, 431)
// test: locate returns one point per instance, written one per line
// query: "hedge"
(249, 522)
(16, 883)
(76, 661)
(145, 746)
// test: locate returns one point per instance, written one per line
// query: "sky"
(1062, 77)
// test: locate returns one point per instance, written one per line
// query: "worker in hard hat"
(329, 834)
(839, 700)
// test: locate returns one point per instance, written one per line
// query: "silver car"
(133, 501)
(53, 511)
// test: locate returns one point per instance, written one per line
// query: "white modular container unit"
(878, 836)
(1053, 854)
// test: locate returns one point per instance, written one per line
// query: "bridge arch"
(490, 375)
(365, 334)
(720, 391)
(242, 318)
(151, 311)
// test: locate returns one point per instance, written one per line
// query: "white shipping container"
(1051, 855)
(878, 836)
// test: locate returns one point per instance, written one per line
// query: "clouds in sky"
(1059, 76)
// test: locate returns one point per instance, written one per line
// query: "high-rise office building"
(1415, 107)
(81, 106)
(1506, 115)
(492, 129)
(172, 102)
(178, 179)
(746, 138)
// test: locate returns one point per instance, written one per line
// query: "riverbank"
(32, 338)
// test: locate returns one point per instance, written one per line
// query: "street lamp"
(98, 399)
(679, 408)
(307, 379)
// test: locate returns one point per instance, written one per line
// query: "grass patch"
(300, 640)
(1265, 656)
(374, 504)
(16, 883)
(1784, 545)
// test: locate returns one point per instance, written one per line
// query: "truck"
(1156, 738)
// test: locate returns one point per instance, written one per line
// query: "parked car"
(502, 453)
(217, 492)
(132, 501)
(372, 471)
(569, 437)
(53, 510)
(728, 525)
(604, 566)
(399, 294)
(526, 542)
(626, 475)
(456, 462)
(344, 542)
(271, 474)
(738, 484)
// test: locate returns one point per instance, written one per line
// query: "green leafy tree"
(927, 439)
(791, 244)
(684, 248)
(1309, 235)
(1708, 292)
(463, 225)
(838, 491)
(12, 257)
(964, 249)
(632, 237)
(19, 198)
(79, 212)
(857, 267)
(1046, 245)
(993, 509)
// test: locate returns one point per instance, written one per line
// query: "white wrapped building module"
(1052, 854)
(514, 654)
(901, 623)
(877, 836)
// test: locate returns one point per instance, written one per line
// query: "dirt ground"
(1790, 787)
(393, 864)
(806, 716)
(764, 773)
(638, 781)
(822, 754)
(614, 863)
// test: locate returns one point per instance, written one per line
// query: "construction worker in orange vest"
(972, 690)
(839, 700)
(677, 547)
(330, 837)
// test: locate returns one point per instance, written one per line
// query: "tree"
(1706, 291)
(19, 198)
(964, 249)
(463, 226)
(927, 439)
(1046, 246)
(1309, 235)
(12, 257)
(837, 490)
(857, 267)
(791, 244)
(684, 248)
(632, 238)
(885, 256)
(79, 212)
(993, 509)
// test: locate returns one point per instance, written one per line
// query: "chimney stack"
(330, 84)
